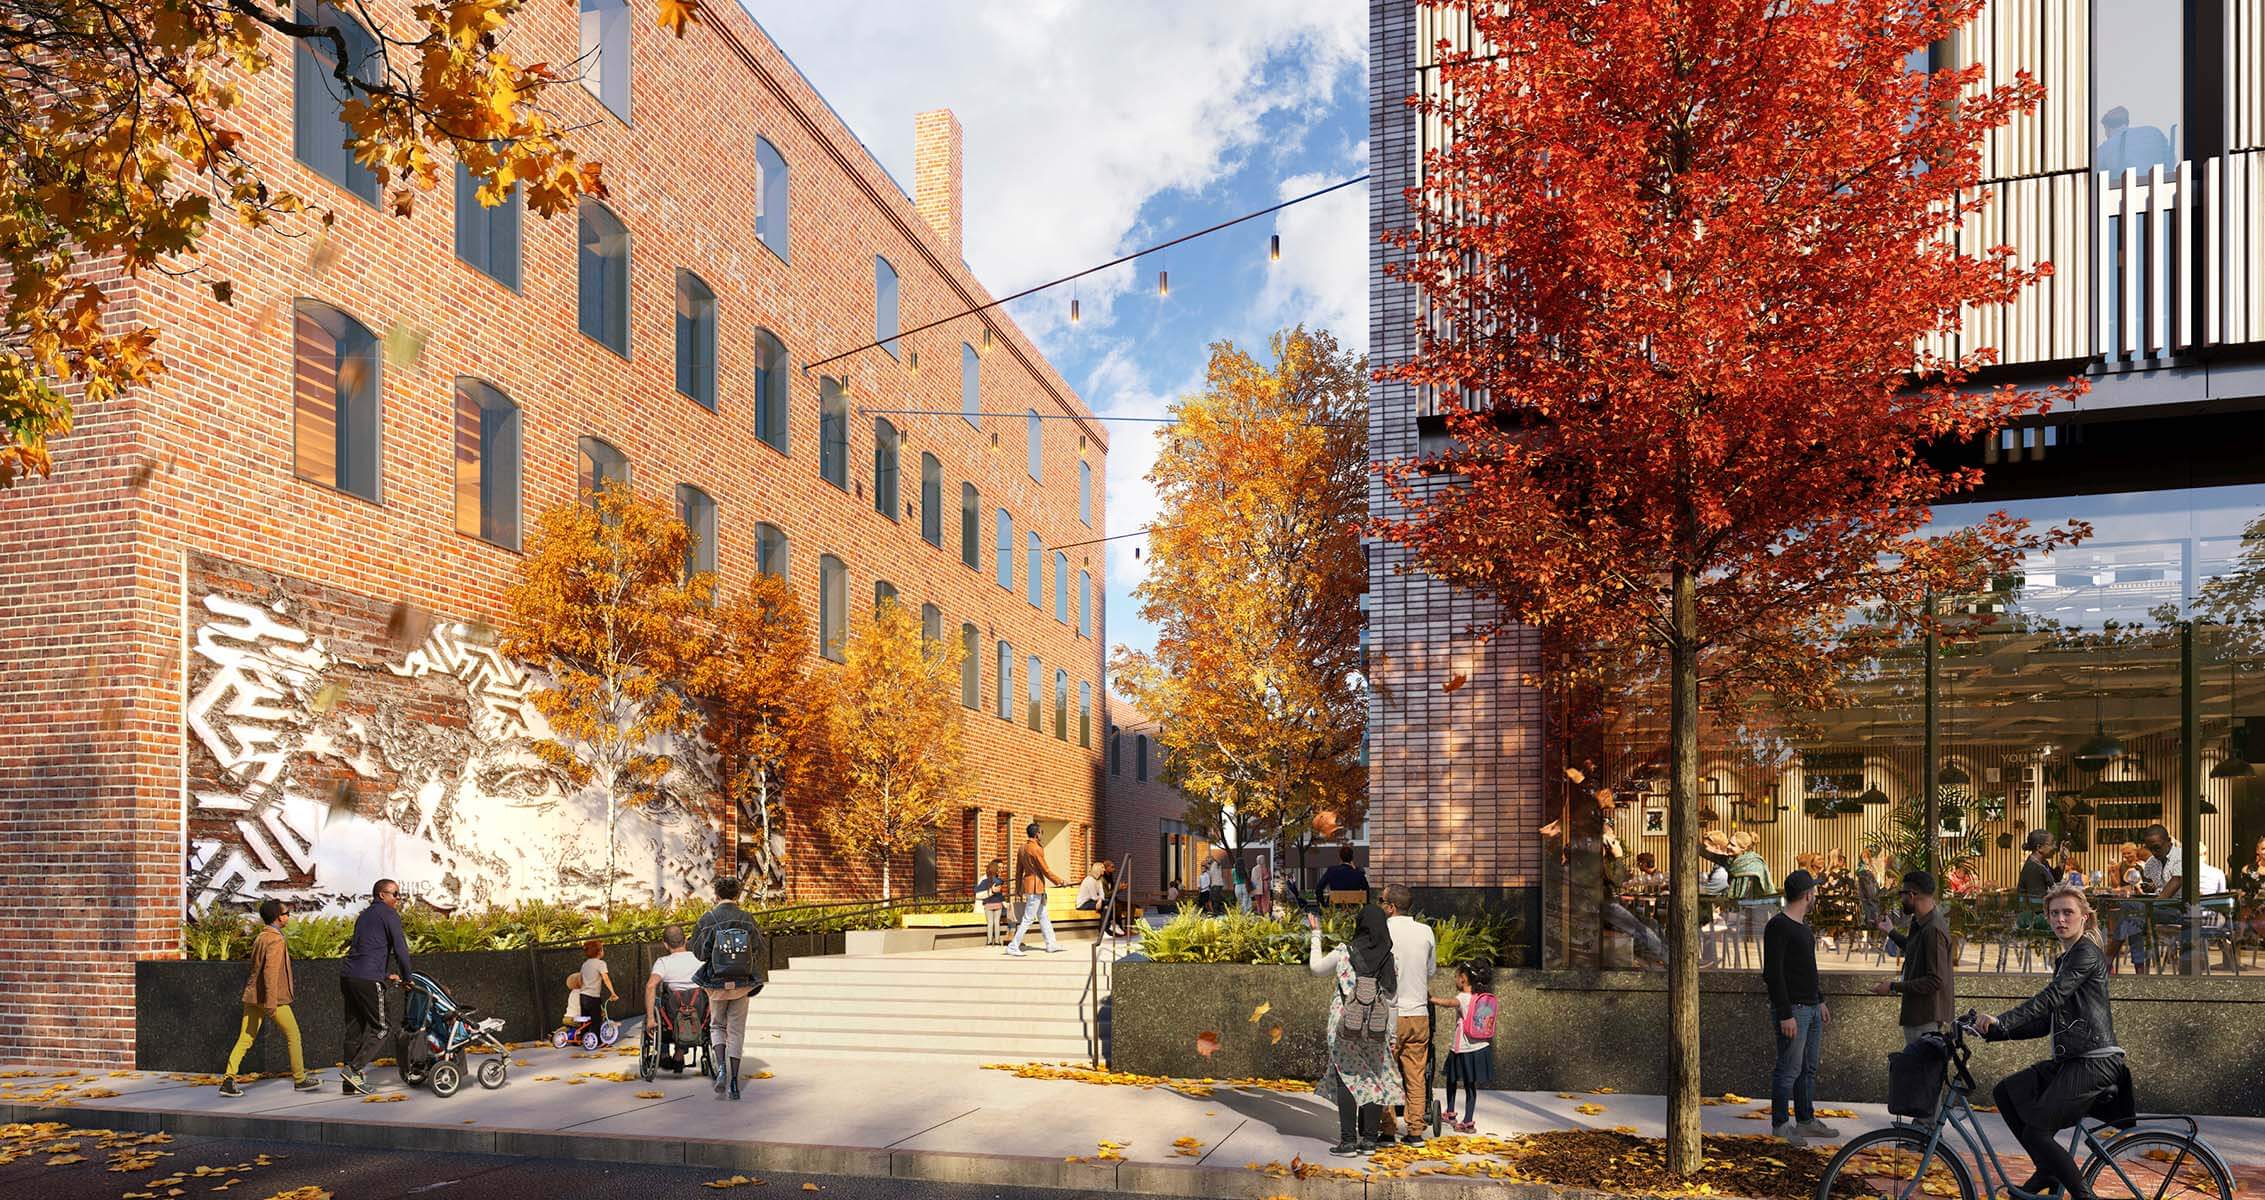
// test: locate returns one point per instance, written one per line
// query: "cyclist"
(2086, 1063)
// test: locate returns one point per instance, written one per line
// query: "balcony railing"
(2182, 259)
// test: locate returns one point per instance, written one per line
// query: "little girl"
(1470, 1057)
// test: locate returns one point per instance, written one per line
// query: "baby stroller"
(436, 1035)
(677, 1036)
(592, 1033)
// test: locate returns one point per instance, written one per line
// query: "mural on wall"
(322, 755)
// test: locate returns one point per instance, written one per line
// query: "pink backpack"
(1478, 1018)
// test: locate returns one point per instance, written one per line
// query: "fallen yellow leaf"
(1257, 1013)
(1588, 1110)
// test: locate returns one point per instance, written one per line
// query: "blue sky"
(1093, 129)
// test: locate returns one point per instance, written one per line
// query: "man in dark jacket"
(2050, 1096)
(1797, 1007)
(1929, 995)
(378, 943)
(727, 998)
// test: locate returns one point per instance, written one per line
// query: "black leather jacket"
(2073, 1008)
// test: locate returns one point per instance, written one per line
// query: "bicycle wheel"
(2159, 1164)
(1884, 1165)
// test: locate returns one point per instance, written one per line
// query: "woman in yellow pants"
(267, 997)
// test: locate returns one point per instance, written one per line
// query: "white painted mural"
(329, 771)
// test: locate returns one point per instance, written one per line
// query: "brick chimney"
(936, 173)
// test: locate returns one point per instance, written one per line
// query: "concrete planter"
(2191, 1041)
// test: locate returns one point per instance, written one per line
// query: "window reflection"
(2138, 84)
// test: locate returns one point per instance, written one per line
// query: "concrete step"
(989, 1048)
(797, 989)
(819, 1050)
(894, 1006)
(1045, 1023)
(1032, 965)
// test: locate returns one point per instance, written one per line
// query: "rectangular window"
(1006, 551)
(970, 384)
(487, 235)
(1034, 566)
(1061, 587)
(318, 131)
(770, 197)
(931, 625)
(884, 468)
(970, 527)
(931, 500)
(487, 464)
(771, 373)
(833, 433)
(1061, 705)
(698, 512)
(1006, 681)
(695, 339)
(605, 53)
(1085, 492)
(602, 286)
(1034, 689)
(970, 668)
(1140, 758)
(833, 607)
(1085, 714)
(885, 304)
(1084, 604)
(334, 385)
(2139, 85)
(1034, 445)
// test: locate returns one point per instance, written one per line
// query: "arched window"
(1061, 705)
(695, 339)
(1006, 681)
(1085, 713)
(698, 512)
(1140, 757)
(1034, 567)
(318, 131)
(1084, 604)
(1085, 492)
(605, 53)
(771, 551)
(884, 593)
(970, 384)
(1006, 553)
(884, 468)
(833, 607)
(931, 500)
(885, 305)
(970, 527)
(931, 625)
(771, 371)
(970, 667)
(833, 433)
(336, 418)
(770, 197)
(1061, 587)
(1034, 439)
(487, 235)
(487, 463)
(603, 294)
(1034, 694)
(598, 463)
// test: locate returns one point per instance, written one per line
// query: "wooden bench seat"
(1061, 906)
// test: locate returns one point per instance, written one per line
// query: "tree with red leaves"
(1683, 260)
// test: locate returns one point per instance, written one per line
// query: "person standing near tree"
(1797, 1005)
(379, 954)
(1930, 994)
(1033, 876)
(267, 999)
(1415, 956)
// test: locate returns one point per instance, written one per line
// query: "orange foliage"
(893, 727)
(762, 710)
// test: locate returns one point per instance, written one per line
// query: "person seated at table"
(2072, 871)
(1343, 877)
(1647, 879)
(1961, 882)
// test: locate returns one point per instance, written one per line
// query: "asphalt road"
(349, 1174)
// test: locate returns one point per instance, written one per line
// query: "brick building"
(248, 644)
(1145, 814)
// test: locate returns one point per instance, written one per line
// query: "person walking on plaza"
(1033, 876)
(1470, 1057)
(1930, 994)
(378, 954)
(267, 999)
(991, 897)
(2050, 1096)
(1360, 1076)
(1415, 956)
(729, 946)
(1262, 885)
(1797, 1005)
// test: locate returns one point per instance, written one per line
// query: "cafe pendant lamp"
(2099, 750)
(1871, 795)
(1953, 776)
(2233, 765)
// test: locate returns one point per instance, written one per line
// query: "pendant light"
(1871, 795)
(2099, 750)
(1274, 248)
(2233, 765)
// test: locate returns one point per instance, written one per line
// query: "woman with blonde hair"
(2086, 1062)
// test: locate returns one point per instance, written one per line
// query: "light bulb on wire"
(1274, 248)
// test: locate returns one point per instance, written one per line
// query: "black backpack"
(732, 952)
(1916, 1076)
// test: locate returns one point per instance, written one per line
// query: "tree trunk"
(1684, 1153)
(885, 876)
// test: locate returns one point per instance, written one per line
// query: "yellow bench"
(1061, 906)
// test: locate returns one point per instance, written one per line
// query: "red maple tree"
(1682, 260)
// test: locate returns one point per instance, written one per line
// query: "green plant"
(216, 933)
(1461, 939)
(534, 922)
(319, 937)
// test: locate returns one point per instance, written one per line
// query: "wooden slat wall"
(2245, 74)
(2051, 40)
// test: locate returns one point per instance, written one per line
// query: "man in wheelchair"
(676, 1008)
(2086, 1074)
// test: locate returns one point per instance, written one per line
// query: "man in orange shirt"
(1032, 875)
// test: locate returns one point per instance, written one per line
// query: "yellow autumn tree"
(753, 677)
(1254, 582)
(122, 140)
(603, 608)
(894, 732)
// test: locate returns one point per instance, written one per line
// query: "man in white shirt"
(673, 969)
(1415, 956)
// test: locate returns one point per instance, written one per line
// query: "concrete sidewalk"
(927, 1118)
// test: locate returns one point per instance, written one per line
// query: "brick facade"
(95, 575)
(1145, 818)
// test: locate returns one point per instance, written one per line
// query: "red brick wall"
(91, 780)
(1133, 809)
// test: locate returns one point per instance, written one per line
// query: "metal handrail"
(1093, 970)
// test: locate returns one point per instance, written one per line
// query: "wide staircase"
(972, 1002)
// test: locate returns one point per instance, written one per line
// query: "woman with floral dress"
(1361, 1076)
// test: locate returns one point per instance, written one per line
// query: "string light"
(986, 337)
(1274, 248)
(1163, 284)
(1073, 302)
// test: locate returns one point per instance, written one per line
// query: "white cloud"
(1322, 280)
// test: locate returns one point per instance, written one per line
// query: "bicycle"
(2157, 1157)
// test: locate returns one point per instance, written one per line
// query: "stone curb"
(944, 1166)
